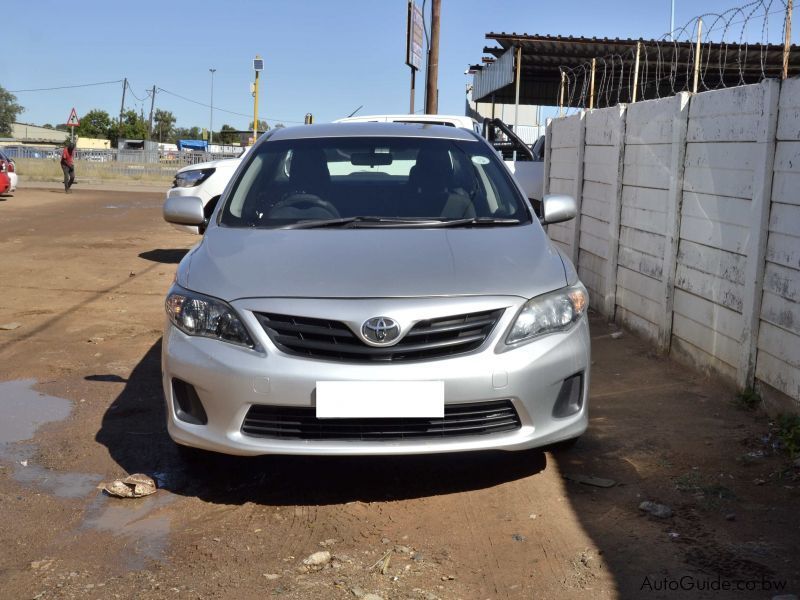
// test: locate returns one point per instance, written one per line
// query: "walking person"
(68, 166)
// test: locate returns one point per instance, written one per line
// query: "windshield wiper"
(477, 222)
(370, 221)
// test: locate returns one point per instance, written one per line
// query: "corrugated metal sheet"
(494, 76)
(544, 57)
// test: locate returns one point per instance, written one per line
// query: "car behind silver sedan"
(374, 288)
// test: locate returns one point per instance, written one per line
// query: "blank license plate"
(380, 399)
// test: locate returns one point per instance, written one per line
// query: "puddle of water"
(136, 521)
(23, 410)
(62, 485)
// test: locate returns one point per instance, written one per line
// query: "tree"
(183, 133)
(9, 109)
(163, 125)
(133, 127)
(262, 126)
(227, 135)
(94, 124)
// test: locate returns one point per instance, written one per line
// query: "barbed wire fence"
(737, 46)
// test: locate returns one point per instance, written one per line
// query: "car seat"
(432, 191)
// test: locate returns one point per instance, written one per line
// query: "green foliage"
(749, 399)
(227, 135)
(133, 127)
(164, 126)
(789, 433)
(94, 124)
(262, 126)
(191, 133)
(9, 109)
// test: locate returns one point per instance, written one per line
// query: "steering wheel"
(303, 201)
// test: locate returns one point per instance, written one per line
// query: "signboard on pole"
(73, 119)
(414, 36)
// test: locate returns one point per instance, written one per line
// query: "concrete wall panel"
(789, 114)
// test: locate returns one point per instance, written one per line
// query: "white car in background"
(528, 169)
(206, 181)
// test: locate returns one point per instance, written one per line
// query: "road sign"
(414, 36)
(73, 119)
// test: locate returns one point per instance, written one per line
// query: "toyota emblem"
(380, 330)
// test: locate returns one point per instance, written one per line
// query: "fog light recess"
(570, 397)
(187, 403)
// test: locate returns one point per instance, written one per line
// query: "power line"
(130, 89)
(65, 87)
(216, 108)
(160, 89)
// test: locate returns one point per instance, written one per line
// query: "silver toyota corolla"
(374, 288)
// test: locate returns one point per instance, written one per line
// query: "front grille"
(333, 340)
(301, 423)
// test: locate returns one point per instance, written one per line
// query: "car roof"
(372, 129)
(436, 118)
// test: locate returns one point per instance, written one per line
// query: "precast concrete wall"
(689, 225)
(565, 174)
(778, 357)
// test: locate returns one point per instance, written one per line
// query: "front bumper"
(230, 379)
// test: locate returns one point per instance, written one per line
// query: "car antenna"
(355, 111)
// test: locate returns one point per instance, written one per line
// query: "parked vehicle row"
(372, 288)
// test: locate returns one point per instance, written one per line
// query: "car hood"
(372, 263)
(213, 164)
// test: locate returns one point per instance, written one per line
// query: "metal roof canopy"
(544, 57)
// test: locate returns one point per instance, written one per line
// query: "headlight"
(556, 311)
(196, 314)
(192, 178)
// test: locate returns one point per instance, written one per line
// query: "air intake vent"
(301, 423)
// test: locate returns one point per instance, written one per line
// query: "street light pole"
(672, 21)
(211, 124)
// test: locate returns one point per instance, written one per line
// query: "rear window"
(289, 181)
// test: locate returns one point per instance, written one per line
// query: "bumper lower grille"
(301, 423)
(333, 340)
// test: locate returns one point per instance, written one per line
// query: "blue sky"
(320, 56)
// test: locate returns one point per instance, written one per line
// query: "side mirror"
(184, 210)
(557, 208)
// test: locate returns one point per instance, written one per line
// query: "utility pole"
(787, 39)
(122, 108)
(432, 87)
(152, 104)
(211, 123)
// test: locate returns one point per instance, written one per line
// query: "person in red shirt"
(68, 166)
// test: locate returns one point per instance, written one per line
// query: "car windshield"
(373, 182)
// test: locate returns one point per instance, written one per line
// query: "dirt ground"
(83, 279)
